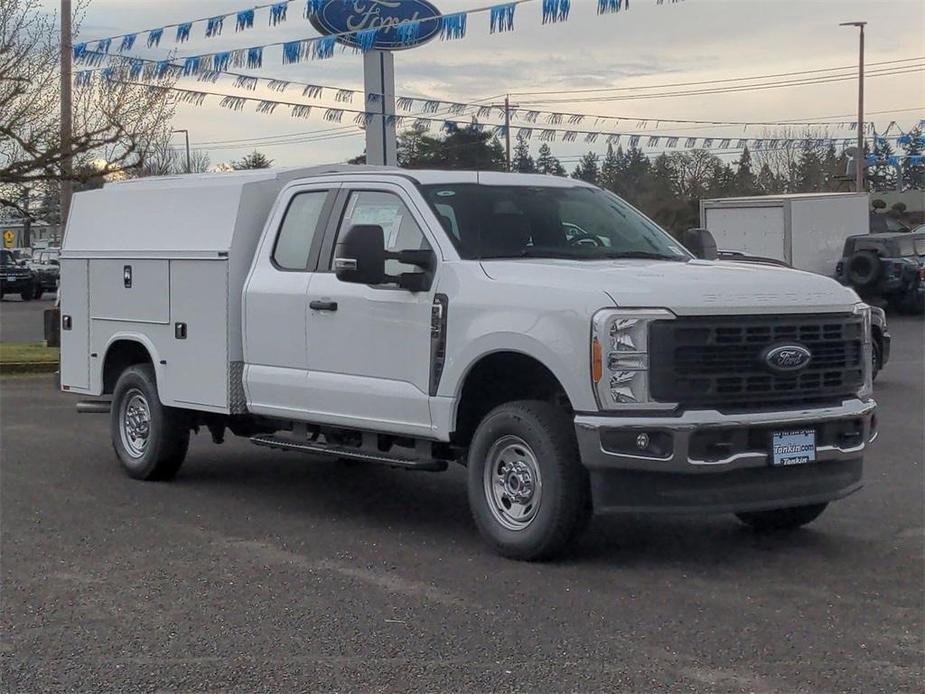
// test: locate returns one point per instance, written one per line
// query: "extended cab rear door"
(369, 346)
(276, 301)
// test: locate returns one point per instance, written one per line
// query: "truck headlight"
(867, 368)
(620, 358)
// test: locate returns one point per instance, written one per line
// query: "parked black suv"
(46, 266)
(888, 267)
(16, 279)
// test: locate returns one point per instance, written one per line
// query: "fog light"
(642, 442)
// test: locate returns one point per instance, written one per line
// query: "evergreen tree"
(254, 160)
(588, 168)
(767, 182)
(610, 170)
(723, 182)
(809, 176)
(913, 171)
(521, 161)
(745, 182)
(882, 176)
(548, 164)
(830, 171)
(634, 180)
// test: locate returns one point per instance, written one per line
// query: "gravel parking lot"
(264, 571)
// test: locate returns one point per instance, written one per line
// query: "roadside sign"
(9, 238)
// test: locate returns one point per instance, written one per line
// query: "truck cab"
(541, 332)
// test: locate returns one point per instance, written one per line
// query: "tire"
(39, 292)
(26, 294)
(782, 519)
(864, 269)
(150, 440)
(876, 358)
(545, 486)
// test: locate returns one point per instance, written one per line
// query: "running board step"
(284, 444)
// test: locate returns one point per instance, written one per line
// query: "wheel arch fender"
(105, 382)
(571, 380)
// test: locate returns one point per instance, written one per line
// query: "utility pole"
(507, 129)
(861, 159)
(67, 110)
(189, 166)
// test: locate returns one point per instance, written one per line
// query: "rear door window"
(294, 243)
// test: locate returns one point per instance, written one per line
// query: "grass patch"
(28, 353)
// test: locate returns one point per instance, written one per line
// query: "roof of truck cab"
(296, 173)
(221, 213)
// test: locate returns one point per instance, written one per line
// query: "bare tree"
(115, 122)
(163, 159)
(693, 171)
(784, 152)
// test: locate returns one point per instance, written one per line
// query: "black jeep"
(886, 267)
(16, 279)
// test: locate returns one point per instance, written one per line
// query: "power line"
(732, 90)
(716, 81)
(280, 85)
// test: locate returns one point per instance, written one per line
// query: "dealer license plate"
(793, 447)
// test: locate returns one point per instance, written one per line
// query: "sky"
(647, 44)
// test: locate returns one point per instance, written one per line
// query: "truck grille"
(717, 362)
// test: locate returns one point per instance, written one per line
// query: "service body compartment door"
(75, 323)
(130, 289)
(197, 353)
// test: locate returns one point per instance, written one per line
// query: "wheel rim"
(135, 423)
(512, 482)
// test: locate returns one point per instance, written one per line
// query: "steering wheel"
(584, 238)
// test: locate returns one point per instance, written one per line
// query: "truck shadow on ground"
(374, 500)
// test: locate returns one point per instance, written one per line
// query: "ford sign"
(339, 16)
(786, 358)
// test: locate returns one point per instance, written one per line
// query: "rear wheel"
(39, 292)
(27, 294)
(528, 492)
(150, 440)
(782, 519)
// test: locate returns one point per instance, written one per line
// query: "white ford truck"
(538, 330)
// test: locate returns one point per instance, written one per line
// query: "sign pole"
(379, 85)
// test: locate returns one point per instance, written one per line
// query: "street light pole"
(189, 166)
(861, 160)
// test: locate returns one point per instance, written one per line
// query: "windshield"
(578, 223)
(6, 258)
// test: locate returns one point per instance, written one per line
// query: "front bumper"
(707, 461)
(14, 285)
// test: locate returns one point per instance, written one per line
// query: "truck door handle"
(323, 305)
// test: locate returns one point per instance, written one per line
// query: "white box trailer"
(143, 258)
(808, 230)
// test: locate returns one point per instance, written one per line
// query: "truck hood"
(686, 288)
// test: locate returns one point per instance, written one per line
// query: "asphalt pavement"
(265, 571)
(23, 321)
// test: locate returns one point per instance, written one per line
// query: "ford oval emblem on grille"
(786, 358)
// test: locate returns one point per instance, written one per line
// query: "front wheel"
(782, 519)
(27, 294)
(876, 359)
(528, 493)
(150, 440)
